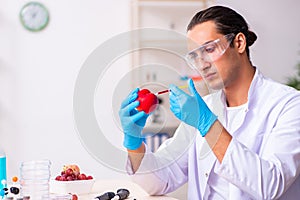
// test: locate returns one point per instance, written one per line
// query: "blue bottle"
(2, 173)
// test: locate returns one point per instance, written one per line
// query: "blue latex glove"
(191, 109)
(132, 121)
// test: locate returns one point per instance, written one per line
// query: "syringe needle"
(165, 91)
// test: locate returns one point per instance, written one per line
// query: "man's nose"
(204, 65)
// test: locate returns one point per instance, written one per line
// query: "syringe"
(165, 91)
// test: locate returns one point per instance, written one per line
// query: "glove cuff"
(132, 142)
(209, 122)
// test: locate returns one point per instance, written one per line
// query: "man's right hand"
(132, 121)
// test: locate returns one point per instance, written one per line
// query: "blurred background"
(38, 70)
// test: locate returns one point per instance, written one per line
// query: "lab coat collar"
(256, 83)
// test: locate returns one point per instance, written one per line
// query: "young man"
(242, 142)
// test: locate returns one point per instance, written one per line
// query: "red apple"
(148, 101)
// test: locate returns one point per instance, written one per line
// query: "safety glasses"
(209, 52)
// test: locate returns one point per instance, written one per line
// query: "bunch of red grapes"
(72, 174)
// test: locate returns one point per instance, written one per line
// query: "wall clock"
(34, 16)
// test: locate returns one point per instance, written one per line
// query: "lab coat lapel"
(206, 160)
(206, 157)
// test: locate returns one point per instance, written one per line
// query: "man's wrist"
(141, 149)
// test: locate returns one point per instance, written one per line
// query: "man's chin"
(215, 84)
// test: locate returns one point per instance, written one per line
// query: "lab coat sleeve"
(148, 180)
(166, 170)
(270, 173)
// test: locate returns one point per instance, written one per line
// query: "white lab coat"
(261, 162)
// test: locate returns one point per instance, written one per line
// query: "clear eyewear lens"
(209, 52)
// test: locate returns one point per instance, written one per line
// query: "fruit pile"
(72, 173)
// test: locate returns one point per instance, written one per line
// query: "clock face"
(34, 16)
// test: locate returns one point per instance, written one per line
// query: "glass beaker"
(34, 179)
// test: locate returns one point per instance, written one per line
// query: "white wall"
(38, 70)
(277, 49)
(38, 73)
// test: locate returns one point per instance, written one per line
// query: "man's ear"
(240, 42)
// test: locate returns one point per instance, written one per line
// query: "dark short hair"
(226, 21)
